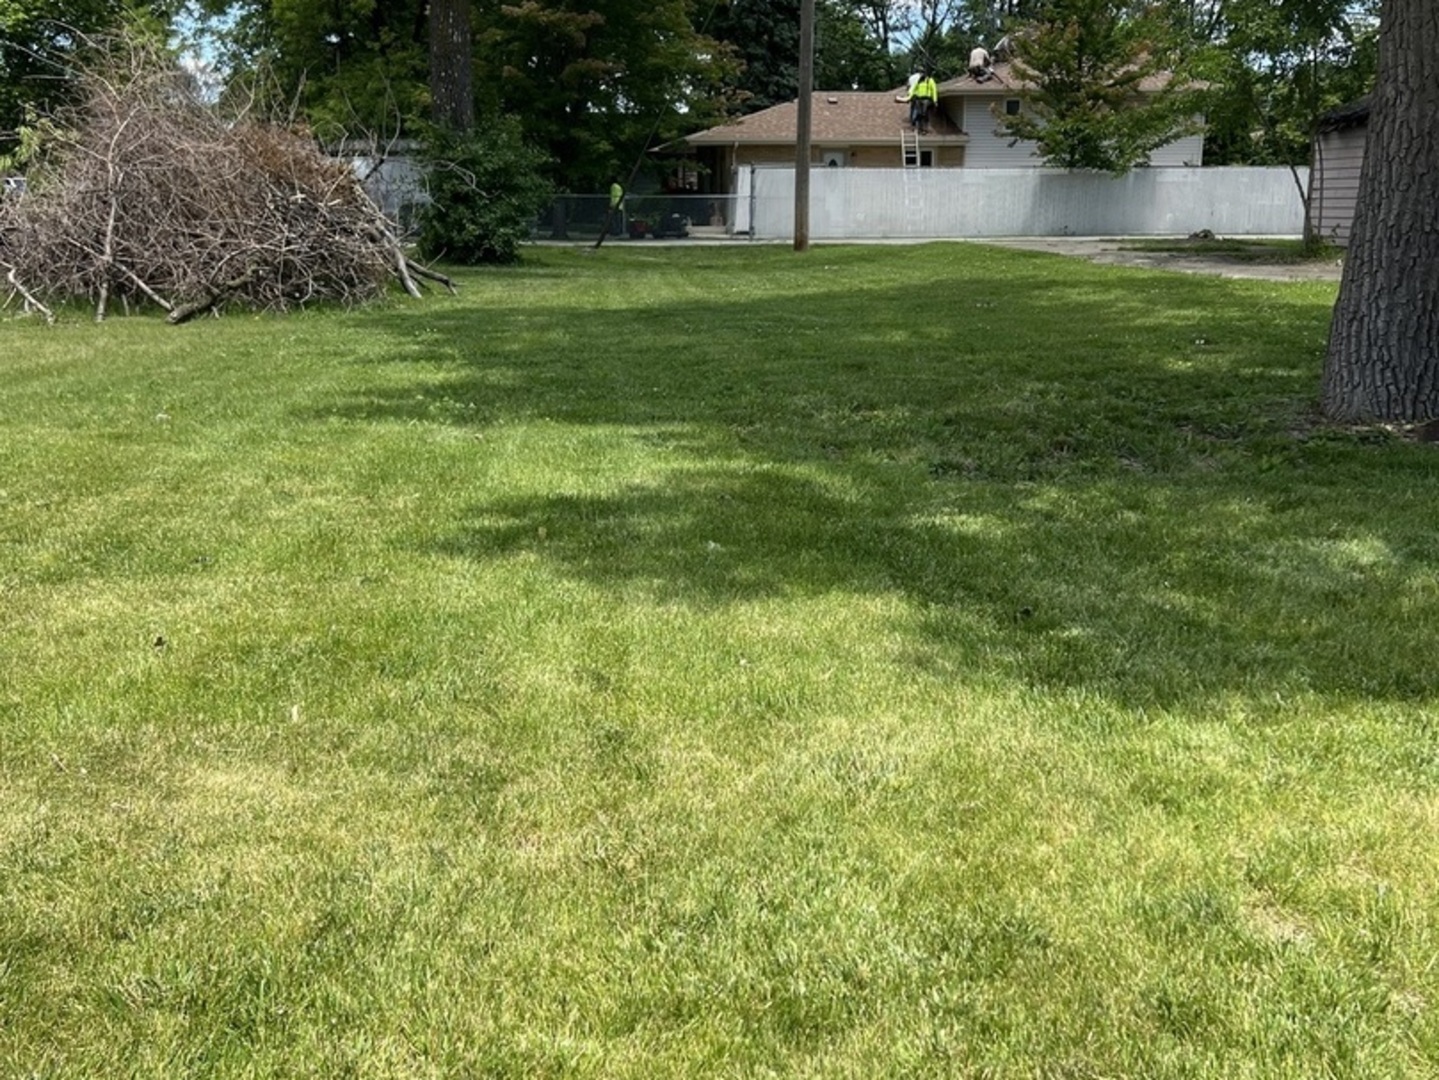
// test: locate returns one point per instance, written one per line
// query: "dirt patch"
(1115, 253)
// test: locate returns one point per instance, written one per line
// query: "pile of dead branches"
(145, 195)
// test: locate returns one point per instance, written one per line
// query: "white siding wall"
(917, 203)
(1181, 152)
(987, 149)
(990, 150)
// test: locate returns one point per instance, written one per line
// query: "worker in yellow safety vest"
(923, 96)
(617, 207)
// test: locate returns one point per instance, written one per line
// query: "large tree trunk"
(451, 64)
(1383, 359)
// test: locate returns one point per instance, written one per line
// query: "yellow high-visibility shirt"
(926, 89)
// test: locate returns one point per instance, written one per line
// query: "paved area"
(1114, 252)
(1110, 250)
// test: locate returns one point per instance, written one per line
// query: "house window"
(1011, 106)
(926, 159)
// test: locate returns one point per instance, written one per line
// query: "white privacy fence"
(917, 203)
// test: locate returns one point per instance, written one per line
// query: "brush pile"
(144, 195)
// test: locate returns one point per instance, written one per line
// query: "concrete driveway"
(1097, 249)
(1114, 253)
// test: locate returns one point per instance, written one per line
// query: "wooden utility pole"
(802, 141)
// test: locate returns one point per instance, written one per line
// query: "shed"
(1338, 157)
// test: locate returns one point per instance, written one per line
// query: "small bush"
(486, 187)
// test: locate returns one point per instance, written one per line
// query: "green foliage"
(485, 188)
(1275, 68)
(594, 84)
(27, 141)
(764, 38)
(598, 83)
(847, 55)
(38, 39)
(1088, 60)
(352, 67)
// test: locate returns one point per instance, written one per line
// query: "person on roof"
(980, 64)
(923, 96)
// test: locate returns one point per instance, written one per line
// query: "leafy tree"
(975, 22)
(593, 82)
(764, 39)
(486, 187)
(1275, 66)
(847, 55)
(597, 82)
(1199, 21)
(348, 65)
(927, 31)
(38, 38)
(1087, 60)
(763, 36)
(1383, 363)
(887, 21)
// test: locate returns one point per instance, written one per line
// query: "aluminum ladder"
(913, 190)
(909, 147)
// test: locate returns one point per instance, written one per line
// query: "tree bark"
(451, 65)
(1383, 361)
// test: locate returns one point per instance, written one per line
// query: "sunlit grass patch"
(672, 663)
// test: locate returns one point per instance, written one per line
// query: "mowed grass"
(932, 661)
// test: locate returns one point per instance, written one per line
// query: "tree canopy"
(763, 37)
(1274, 67)
(1088, 61)
(594, 83)
(40, 38)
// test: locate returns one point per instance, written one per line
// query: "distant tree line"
(592, 84)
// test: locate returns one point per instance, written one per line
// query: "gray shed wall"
(1338, 159)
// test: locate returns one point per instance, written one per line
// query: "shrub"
(486, 187)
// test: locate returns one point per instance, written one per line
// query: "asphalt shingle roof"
(1353, 114)
(1007, 80)
(843, 116)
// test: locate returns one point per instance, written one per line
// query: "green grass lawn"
(933, 661)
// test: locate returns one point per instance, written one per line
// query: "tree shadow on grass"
(1054, 356)
(1100, 480)
(1123, 592)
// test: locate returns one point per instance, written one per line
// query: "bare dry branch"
(29, 296)
(431, 275)
(146, 195)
